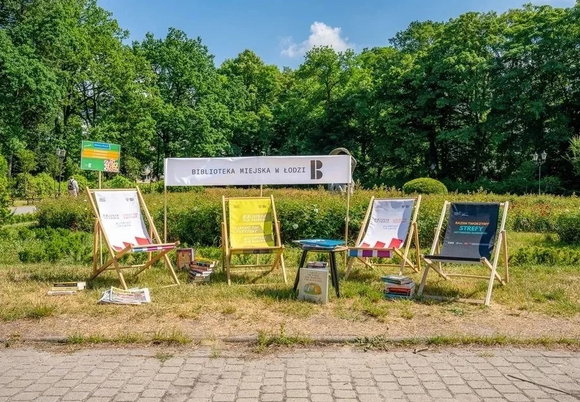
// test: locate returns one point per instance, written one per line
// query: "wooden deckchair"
(119, 219)
(250, 226)
(470, 238)
(389, 226)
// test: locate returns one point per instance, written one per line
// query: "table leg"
(334, 273)
(302, 261)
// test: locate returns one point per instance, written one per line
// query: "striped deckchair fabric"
(389, 226)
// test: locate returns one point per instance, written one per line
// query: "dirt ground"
(426, 322)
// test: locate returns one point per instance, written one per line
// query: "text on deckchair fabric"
(388, 224)
(251, 223)
(121, 219)
(471, 230)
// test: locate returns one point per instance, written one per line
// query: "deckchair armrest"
(153, 247)
(257, 248)
(453, 258)
(373, 248)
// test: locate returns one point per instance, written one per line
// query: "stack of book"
(200, 270)
(397, 286)
(66, 288)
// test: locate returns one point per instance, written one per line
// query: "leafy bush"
(69, 213)
(44, 185)
(568, 228)
(56, 245)
(545, 256)
(119, 182)
(424, 185)
(4, 194)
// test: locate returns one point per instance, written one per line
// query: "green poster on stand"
(100, 156)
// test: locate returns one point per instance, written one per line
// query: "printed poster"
(471, 230)
(121, 218)
(388, 224)
(251, 223)
(313, 285)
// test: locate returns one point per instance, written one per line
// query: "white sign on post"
(121, 220)
(258, 170)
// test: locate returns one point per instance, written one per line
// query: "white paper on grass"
(121, 218)
(388, 224)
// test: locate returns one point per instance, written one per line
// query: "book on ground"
(66, 288)
(397, 279)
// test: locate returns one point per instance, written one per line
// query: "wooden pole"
(164, 211)
(100, 232)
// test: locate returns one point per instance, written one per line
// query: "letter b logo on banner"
(315, 172)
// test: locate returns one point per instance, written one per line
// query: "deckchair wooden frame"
(436, 263)
(113, 262)
(228, 252)
(412, 236)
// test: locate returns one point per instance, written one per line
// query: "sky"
(282, 31)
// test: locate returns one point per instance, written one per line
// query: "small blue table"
(321, 246)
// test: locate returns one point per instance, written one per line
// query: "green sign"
(100, 156)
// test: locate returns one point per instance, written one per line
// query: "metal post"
(61, 154)
(539, 160)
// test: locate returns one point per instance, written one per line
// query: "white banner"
(258, 170)
(389, 224)
(121, 218)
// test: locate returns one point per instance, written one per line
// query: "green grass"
(550, 290)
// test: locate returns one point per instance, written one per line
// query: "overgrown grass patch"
(538, 288)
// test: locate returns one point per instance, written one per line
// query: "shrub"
(568, 228)
(44, 185)
(69, 213)
(4, 194)
(55, 245)
(545, 256)
(424, 185)
(119, 182)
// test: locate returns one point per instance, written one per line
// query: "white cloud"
(555, 3)
(320, 35)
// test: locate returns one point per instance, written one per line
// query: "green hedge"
(568, 227)
(195, 217)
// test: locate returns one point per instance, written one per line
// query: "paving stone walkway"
(316, 374)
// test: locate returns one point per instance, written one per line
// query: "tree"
(191, 119)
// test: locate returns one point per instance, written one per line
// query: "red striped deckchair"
(119, 220)
(389, 226)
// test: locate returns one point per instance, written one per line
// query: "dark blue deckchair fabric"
(471, 231)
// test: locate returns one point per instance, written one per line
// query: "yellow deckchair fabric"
(251, 223)
(250, 226)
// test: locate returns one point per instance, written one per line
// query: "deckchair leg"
(170, 267)
(227, 261)
(417, 248)
(120, 273)
(505, 257)
(283, 266)
(490, 286)
(349, 267)
(95, 247)
(423, 279)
